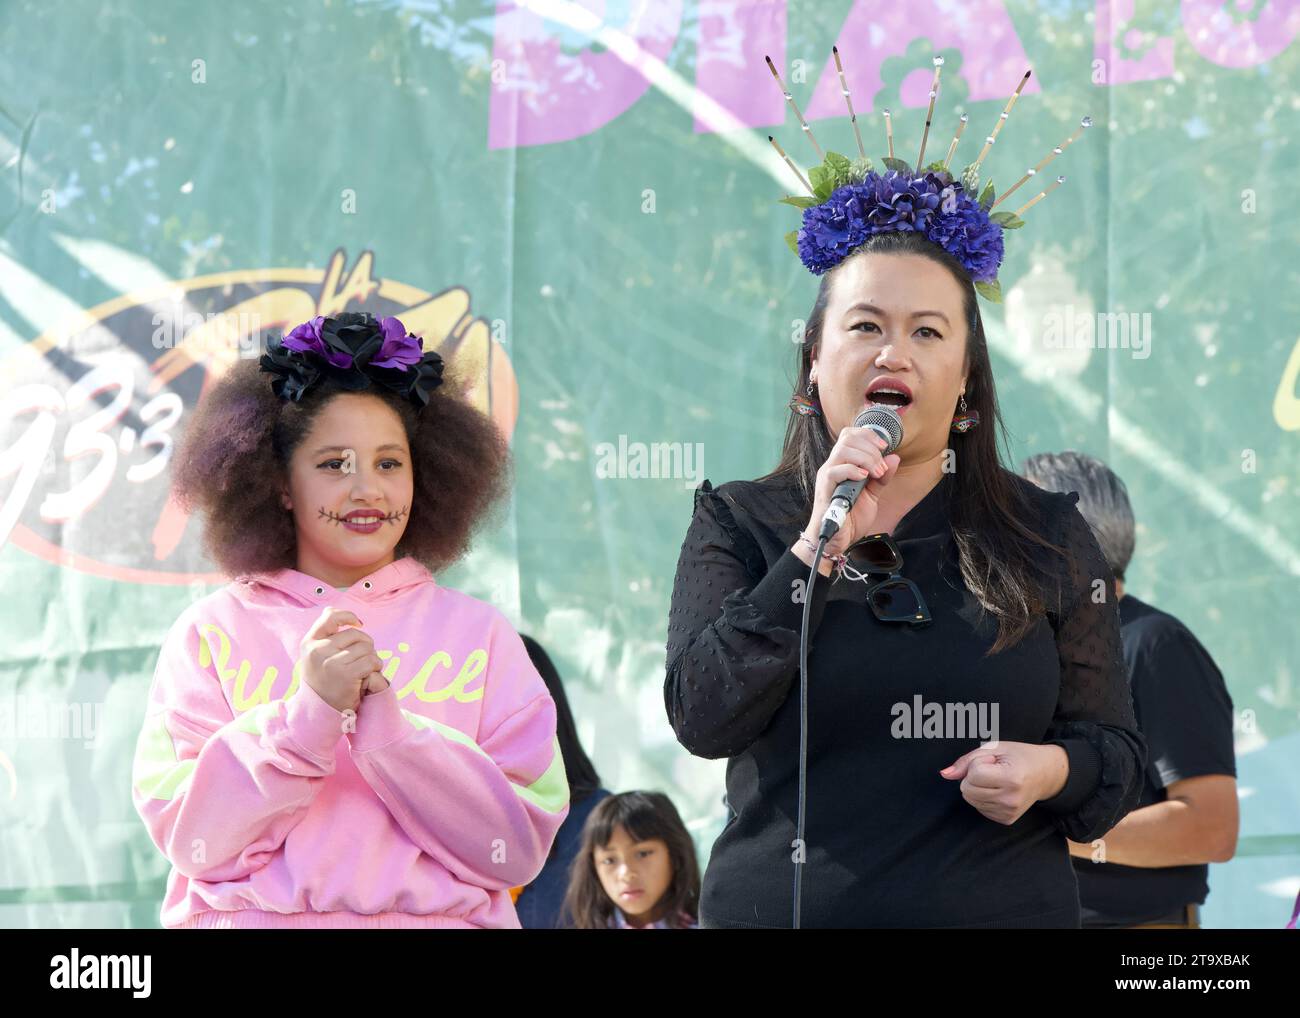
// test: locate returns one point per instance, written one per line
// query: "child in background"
(334, 739)
(637, 867)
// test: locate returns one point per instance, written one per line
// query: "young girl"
(333, 738)
(637, 868)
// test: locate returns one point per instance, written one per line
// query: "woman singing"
(968, 708)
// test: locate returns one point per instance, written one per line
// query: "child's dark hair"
(644, 816)
(233, 460)
(584, 780)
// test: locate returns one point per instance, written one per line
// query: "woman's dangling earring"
(965, 419)
(806, 404)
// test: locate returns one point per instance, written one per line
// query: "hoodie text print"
(274, 809)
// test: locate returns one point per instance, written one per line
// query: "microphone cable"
(884, 420)
(800, 847)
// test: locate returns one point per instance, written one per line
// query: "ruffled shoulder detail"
(717, 503)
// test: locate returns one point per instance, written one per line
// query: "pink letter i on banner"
(542, 94)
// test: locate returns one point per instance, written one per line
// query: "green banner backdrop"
(577, 203)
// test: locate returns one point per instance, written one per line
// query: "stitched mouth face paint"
(365, 521)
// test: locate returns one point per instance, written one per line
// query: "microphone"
(885, 422)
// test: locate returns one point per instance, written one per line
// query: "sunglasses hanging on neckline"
(894, 598)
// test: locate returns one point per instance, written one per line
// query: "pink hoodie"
(446, 792)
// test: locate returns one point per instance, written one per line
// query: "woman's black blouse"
(889, 841)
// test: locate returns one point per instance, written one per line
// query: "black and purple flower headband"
(355, 351)
(849, 201)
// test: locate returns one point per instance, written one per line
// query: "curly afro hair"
(234, 457)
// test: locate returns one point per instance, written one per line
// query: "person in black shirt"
(1154, 869)
(906, 825)
(540, 904)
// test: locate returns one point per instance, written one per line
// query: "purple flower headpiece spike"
(848, 201)
(355, 351)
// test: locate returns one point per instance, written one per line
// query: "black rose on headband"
(355, 351)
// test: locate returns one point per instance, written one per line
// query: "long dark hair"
(578, 768)
(993, 523)
(644, 816)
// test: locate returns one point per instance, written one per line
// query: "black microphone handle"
(848, 491)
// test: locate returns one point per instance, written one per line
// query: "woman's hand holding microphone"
(857, 454)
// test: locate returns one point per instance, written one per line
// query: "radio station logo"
(91, 412)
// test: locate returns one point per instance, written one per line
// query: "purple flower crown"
(355, 351)
(848, 201)
(933, 205)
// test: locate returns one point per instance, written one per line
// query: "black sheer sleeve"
(1094, 721)
(733, 632)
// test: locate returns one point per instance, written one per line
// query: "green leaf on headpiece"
(791, 238)
(901, 165)
(1007, 220)
(936, 167)
(987, 196)
(859, 169)
(970, 179)
(990, 291)
(822, 181)
(838, 171)
(799, 201)
(836, 163)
